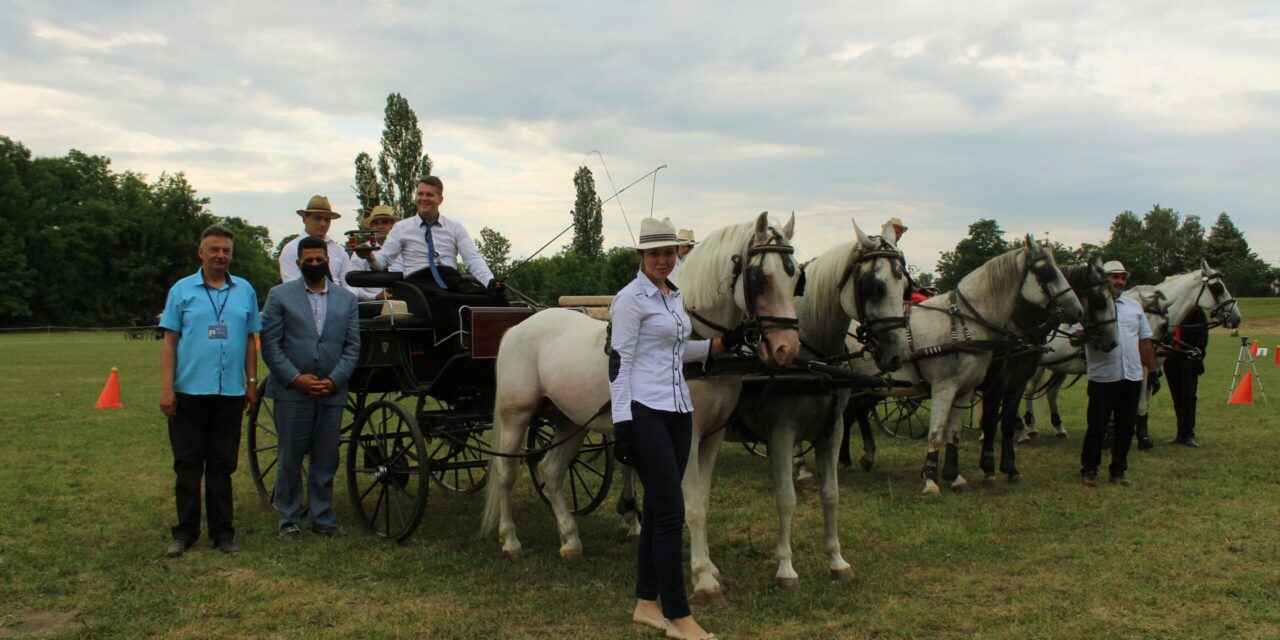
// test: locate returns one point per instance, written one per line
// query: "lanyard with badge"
(218, 331)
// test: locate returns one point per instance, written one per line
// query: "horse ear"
(1204, 266)
(789, 229)
(762, 227)
(863, 240)
(889, 233)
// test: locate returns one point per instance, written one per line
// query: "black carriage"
(420, 404)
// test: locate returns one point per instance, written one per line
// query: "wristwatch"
(253, 380)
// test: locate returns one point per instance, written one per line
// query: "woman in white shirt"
(652, 415)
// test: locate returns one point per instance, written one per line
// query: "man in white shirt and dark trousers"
(1115, 383)
(379, 221)
(316, 219)
(429, 246)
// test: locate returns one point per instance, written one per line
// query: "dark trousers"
(444, 303)
(205, 436)
(1108, 400)
(1183, 382)
(660, 450)
(306, 429)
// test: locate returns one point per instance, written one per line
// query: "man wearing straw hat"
(316, 219)
(687, 243)
(380, 220)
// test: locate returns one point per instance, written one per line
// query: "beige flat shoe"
(674, 634)
(661, 624)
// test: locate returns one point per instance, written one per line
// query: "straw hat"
(379, 211)
(686, 237)
(319, 204)
(1115, 266)
(656, 233)
(897, 222)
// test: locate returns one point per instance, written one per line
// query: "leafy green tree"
(588, 219)
(1128, 245)
(252, 256)
(402, 160)
(367, 189)
(985, 241)
(495, 249)
(1160, 229)
(275, 253)
(1226, 249)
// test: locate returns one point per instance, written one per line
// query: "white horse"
(1166, 305)
(554, 365)
(861, 279)
(954, 336)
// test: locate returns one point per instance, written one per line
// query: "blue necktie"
(431, 260)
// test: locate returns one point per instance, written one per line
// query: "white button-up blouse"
(650, 341)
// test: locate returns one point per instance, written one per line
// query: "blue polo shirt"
(209, 362)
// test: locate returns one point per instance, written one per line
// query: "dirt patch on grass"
(35, 624)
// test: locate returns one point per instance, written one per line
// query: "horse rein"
(757, 325)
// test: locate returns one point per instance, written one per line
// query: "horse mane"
(1001, 272)
(823, 274)
(1079, 276)
(702, 274)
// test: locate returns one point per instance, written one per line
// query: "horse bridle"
(756, 325)
(869, 330)
(1213, 283)
(1045, 272)
(1101, 289)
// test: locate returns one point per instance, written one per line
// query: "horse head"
(1215, 298)
(765, 292)
(872, 294)
(1094, 292)
(1044, 285)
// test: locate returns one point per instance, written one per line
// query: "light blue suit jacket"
(291, 347)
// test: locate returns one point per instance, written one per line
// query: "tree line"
(1154, 246)
(85, 246)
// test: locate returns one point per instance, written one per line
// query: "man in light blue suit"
(310, 341)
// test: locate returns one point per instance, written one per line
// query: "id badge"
(217, 332)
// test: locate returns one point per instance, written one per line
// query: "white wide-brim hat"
(656, 233)
(1115, 266)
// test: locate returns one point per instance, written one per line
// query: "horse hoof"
(960, 488)
(788, 583)
(988, 480)
(931, 490)
(571, 556)
(1060, 434)
(710, 599)
(1032, 435)
(866, 464)
(1015, 478)
(515, 554)
(1024, 438)
(843, 575)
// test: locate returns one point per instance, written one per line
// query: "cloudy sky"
(1050, 117)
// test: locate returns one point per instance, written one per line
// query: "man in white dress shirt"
(316, 218)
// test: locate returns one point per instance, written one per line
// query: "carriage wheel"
(262, 444)
(387, 470)
(761, 449)
(589, 475)
(457, 460)
(903, 416)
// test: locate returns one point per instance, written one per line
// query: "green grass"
(1191, 550)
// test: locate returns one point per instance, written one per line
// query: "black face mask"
(315, 273)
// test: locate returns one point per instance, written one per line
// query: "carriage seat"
(419, 314)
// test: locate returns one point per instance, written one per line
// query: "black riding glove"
(496, 286)
(732, 339)
(622, 442)
(1153, 383)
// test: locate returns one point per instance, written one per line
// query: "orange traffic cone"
(1278, 354)
(110, 396)
(1243, 393)
(1253, 351)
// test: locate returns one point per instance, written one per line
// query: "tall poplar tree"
(588, 219)
(402, 160)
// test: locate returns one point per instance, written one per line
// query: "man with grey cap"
(316, 219)
(1115, 382)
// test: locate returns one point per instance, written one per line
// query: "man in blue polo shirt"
(208, 376)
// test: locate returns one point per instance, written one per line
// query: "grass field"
(1191, 550)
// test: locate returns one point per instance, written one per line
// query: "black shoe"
(227, 546)
(1178, 440)
(1120, 480)
(1089, 479)
(290, 533)
(1146, 444)
(1191, 442)
(176, 548)
(328, 532)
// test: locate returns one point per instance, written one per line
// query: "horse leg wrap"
(1029, 419)
(627, 505)
(951, 467)
(988, 462)
(931, 466)
(1055, 419)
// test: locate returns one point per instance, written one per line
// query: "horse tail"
(493, 488)
(511, 369)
